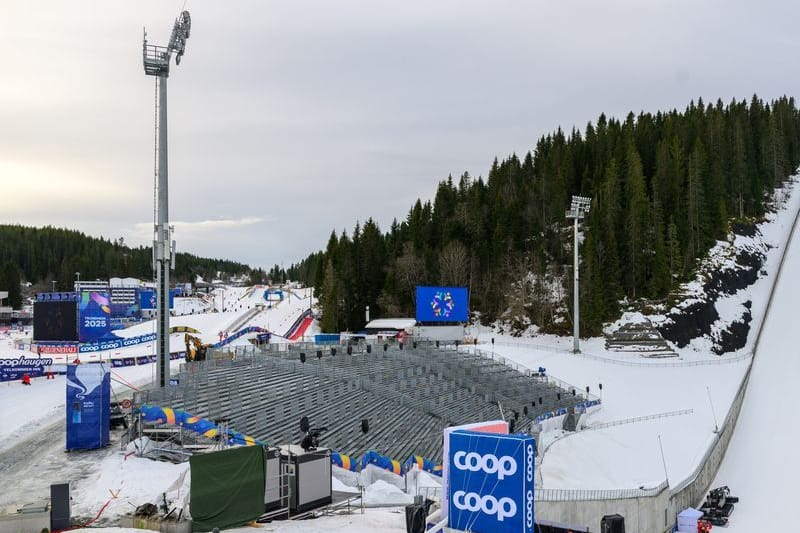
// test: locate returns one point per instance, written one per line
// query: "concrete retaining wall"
(648, 514)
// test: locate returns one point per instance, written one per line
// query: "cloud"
(215, 224)
(193, 231)
(319, 114)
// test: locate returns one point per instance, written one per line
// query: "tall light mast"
(156, 63)
(577, 211)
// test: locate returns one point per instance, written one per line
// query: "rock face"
(729, 268)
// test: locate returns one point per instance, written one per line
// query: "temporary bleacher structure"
(642, 338)
(408, 394)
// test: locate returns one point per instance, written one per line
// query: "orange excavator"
(195, 349)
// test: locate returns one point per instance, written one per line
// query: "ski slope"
(761, 465)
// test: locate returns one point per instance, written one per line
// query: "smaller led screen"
(442, 304)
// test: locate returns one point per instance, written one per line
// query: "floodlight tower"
(156, 63)
(577, 211)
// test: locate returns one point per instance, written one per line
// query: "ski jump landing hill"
(764, 442)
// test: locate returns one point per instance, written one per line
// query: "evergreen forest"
(664, 188)
(43, 255)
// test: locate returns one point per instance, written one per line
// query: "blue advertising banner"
(147, 298)
(13, 368)
(115, 344)
(442, 304)
(94, 318)
(491, 482)
(88, 406)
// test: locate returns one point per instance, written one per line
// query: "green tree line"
(42, 255)
(665, 187)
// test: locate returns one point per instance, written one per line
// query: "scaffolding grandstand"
(407, 393)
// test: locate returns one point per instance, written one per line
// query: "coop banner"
(94, 315)
(442, 304)
(491, 482)
(88, 406)
(116, 344)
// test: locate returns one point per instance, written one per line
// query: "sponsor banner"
(55, 349)
(13, 368)
(491, 482)
(488, 426)
(88, 406)
(116, 343)
(147, 299)
(94, 316)
(142, 360)
(442, 304)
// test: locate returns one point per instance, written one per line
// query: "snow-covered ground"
(761, 465)
(628, 456)
(384, 520)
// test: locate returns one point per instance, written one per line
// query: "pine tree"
(675, 261)
(330, 301)
(660, 274)
(637, 223)
(10, 281)
(695, 200)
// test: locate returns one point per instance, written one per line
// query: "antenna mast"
(156, 63)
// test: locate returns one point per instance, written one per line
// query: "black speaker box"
(415, 518)
(613, 523)
(59, 507)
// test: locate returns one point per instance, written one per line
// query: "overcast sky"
(290, 118)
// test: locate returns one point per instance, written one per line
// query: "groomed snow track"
(407, 395)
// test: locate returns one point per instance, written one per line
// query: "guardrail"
(636, 419)
(519, 367)
(720, 360)
(571, 495)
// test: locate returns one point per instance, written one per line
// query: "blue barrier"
(241, 332)
(579, 409)
(327, 338)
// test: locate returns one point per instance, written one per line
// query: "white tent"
(687, 519)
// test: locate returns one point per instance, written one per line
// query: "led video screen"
(442, 304)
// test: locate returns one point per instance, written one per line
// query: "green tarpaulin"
(227, 488)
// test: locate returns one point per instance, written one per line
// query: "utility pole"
(156, 63)
(577, 211)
